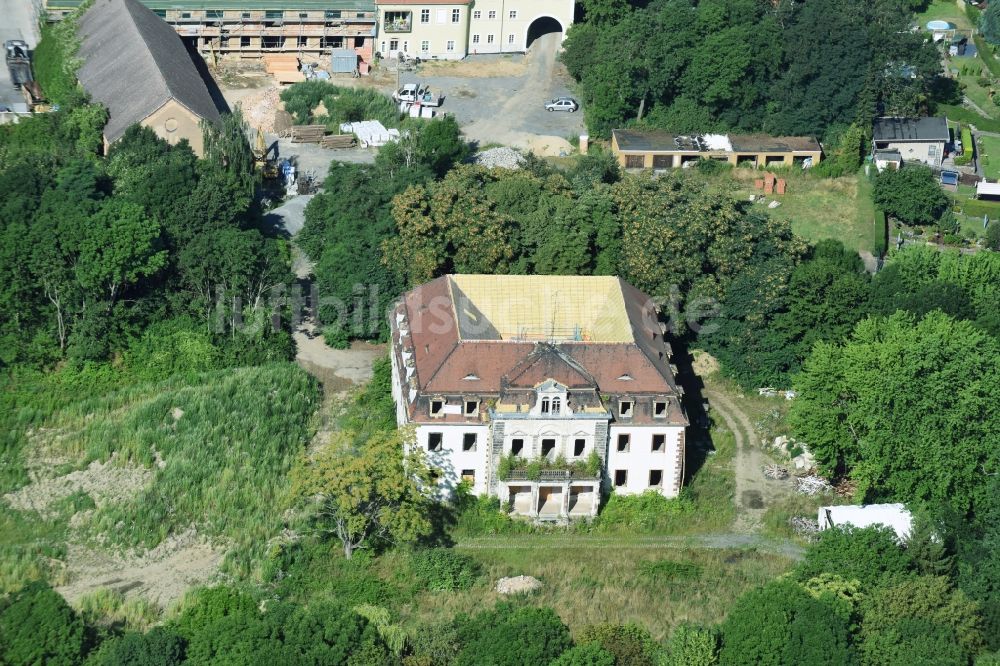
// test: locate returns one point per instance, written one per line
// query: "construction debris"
(260, 109)
(518, 585)
(804, 526)
(504, 158)
(775, 472)
(812, 485)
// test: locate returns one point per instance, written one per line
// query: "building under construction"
(254, 28)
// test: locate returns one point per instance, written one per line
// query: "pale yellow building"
(510, 26)
(427, 29)
(134, 64)
(450, 30)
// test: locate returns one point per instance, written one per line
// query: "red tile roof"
(446, 364)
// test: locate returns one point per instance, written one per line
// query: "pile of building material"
(284, 67)
(307, 133)
(504, 158)
(371, 133)
(775, 472)
(812, 485)
(334, 141)
(261, 108)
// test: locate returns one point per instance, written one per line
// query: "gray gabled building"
(134, 64)
(910, 140)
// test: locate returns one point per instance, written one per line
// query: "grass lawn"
(944, 10)
(615, 582)
(989, 148)
(979, 95)
(821, 208)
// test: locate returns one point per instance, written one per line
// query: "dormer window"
(660, 409)
(555, 405)
(437, 407)
(471, 407)
(545, 405)
(625, 408)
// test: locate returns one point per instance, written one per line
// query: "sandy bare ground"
(476, 67)
(338, 369)
(105, 482)
(162, 575)
(754, 492)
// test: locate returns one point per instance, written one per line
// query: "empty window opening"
(556, 405)
(659, 443)
(469, 476)
(471, 407)
(469, 441)
(623, 443)
(272, 42)
(303, 15)
(437, 406)
(548, 447)
(545, 405)
(660, 409)
(655, 478)
(303, 41)
(332, 13)
(578, 446)
(625, 408)
(516, 447)
(663, 161)
(244, 42)
(435, 441)
(621, 477)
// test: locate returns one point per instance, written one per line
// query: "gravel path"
(618, 542)
(753, 491)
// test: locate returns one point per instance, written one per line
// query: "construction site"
(229, 29)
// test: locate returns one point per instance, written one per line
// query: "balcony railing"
(398, 25)
(551, 475)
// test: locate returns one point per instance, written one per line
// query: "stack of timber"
(307, 133)
(334, 141)
(284, 67)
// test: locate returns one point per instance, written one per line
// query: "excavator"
(265, 162)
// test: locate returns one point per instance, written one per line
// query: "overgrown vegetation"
(745, 66)
(343, 105)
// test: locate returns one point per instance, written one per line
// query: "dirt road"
(754, 492)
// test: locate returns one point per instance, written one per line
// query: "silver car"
(562, 104)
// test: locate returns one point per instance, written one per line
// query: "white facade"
(640, 459)
(502, 26)
(447, 449)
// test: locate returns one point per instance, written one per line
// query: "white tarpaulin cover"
(989, 189)
(895, 516)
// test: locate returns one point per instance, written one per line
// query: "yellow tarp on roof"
(540, 307)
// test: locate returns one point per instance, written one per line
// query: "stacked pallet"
(308, 133)
(335, 141)
(284, 67)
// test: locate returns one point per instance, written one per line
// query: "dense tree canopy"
(785, 68)
(911, 195)
(902, 407)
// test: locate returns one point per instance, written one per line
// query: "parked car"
(562, 104)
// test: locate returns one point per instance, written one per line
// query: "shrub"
(993, 235)
(782, 624)
(157, 647)
(38, 627)
(512, 636)
(588, 654)
(866, 555)
(444, 570)
(204, 606)
(107, 607)
(336, 335)
(630, 644)
(646, 511)
(691, 646)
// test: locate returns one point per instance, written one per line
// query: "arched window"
(545, 405)
(555, 405)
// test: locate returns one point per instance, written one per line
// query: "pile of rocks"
(518, 585)
(505, 158)
(260, 109)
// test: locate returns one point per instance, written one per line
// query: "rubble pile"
(504, 158)
(518, 585)
(812, 485)
(261, 109)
